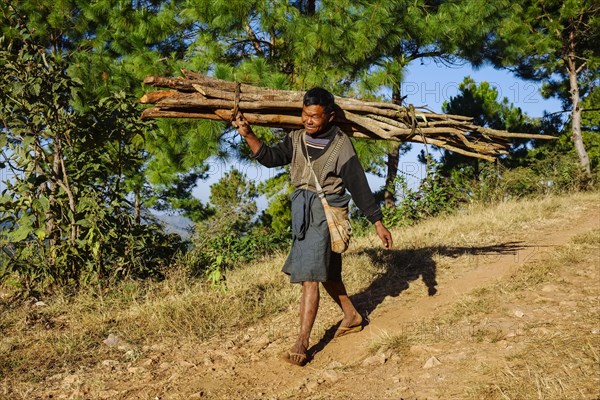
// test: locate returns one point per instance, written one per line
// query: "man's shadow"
(400, 267)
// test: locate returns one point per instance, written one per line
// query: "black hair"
(320, 97)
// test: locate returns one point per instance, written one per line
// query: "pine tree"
(444, 32)
(481, 102)
(557, 43)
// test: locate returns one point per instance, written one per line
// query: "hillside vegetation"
(524, 315)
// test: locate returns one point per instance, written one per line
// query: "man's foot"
(349, 325)
(297, 354)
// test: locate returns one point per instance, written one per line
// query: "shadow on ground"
(400, 267)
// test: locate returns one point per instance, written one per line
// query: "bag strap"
(317, 184)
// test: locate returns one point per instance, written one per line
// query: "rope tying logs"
(236, 100)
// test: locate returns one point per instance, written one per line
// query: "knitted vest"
(326, 167)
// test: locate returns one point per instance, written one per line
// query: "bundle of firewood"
(199, 96)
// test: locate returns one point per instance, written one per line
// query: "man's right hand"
(245, 131)
(243, 127)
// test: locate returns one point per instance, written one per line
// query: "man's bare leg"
(338, 293)
(309, 304)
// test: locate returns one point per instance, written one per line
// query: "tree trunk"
(311, 7)
(389, 195)
(49, 217)
(576, 109)
(52, 226)
(137, 206)
(393, 157)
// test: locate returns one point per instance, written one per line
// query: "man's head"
(318, 110)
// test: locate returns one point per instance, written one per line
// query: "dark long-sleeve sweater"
(351, 172)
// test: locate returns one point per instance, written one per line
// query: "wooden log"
(381, 130)
(192, 101)
(270, 121)
(363, 122)
(200, 96)
(434, 142)
(278, 121)
(179, 84)
(225, 95)
(211, 85)
(505, 134)
(295, 95)
(156, 112)
(203, 80)
(154, 97)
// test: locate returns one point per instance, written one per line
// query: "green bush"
(548, 172)
(66, 212)
(220, 248)
(435, 195)
(232, 235)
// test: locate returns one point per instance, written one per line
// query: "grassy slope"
(69, 332)
(532, 334)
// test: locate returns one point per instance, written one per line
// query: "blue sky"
(426, 84)
(431, 84)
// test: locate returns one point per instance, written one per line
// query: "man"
(334, 161)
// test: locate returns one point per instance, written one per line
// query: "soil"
(443, 358)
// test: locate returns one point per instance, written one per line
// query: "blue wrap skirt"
(311, 258)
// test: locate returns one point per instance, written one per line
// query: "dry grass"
(398, 344)
(559, 357)
(484, 225)
(69, 331)
(562, 367)
(489, 299)
(472, 306)
(564, 364)
(581, 248)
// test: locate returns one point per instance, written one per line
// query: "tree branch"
(256, 42)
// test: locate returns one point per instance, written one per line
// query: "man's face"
(314, 118)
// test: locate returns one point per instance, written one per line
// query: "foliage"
(590, 120)
(535, 37)
(591, 111)
(230, 236)
(435, 195)
(551, 162)
(278, 215)
(111, 47)
(481, 102)
(70, 209)
(556, 43)
(530, 168)
(555, 173)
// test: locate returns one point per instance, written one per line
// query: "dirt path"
(248, 364)
(396, 317)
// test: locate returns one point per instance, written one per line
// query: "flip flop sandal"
(299, 363)
(345, 330)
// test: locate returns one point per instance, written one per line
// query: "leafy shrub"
(231, 236)
(435, 195)
(215, 252)
(66, 212)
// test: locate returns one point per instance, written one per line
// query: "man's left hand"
(384, 235)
